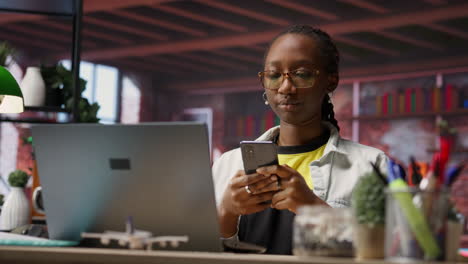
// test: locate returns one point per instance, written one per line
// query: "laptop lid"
(94, 176)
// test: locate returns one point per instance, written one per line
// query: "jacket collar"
(332, 144)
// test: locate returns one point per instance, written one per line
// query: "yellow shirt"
(300, 157)
(301, 161)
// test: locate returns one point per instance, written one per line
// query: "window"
(102, 87)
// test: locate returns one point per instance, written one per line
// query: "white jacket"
(334, 175)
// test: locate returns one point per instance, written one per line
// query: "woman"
(317, 166)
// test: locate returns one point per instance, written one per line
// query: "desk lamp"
(11, 98)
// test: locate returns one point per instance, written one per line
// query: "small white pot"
(16, 210)
(33, 87)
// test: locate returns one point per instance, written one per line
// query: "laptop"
(95, 176)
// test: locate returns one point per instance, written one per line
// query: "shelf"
(456, 150)
(30, 121)
(45, 109)
(458, 112)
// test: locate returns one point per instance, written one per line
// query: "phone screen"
(257, 154)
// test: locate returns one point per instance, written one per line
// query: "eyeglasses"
(300, 78)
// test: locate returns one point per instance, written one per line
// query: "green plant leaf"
(18, 178)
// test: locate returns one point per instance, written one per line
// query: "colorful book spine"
(408, 101)
(378, 104)
(428, 100)
(448, 97)
(413, 101)
(390, 104)
(249, 126)
(240, 127)
(401, 102)
(385, 103)
(418, 93)
(269, 120)
(436, 99)
(395, 102)
(455, 98)
(277, 121)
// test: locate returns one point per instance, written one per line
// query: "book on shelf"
(408, 101)
(378, 104)
(249, 126)
(385, 103)
(448, 97)
(401, 102)
(419, 99)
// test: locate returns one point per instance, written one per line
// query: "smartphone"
(257, 154)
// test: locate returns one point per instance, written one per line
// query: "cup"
(415, 224)
(323, 231)
(37, 201)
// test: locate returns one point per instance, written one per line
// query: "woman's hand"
(294, 191)
(245, 194)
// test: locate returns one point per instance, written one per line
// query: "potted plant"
(368, 203)
(16, 210)
(5, 51)
(59, 82)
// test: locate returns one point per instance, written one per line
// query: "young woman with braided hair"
(317, 167)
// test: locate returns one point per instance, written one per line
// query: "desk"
(93, 255)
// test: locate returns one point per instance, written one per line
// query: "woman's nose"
(287, 87)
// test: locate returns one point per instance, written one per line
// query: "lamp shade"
(11, 98)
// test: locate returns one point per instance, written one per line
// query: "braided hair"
(328, 52)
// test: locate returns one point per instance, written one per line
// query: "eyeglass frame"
(262, 73)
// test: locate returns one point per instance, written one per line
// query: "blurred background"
(404, 65)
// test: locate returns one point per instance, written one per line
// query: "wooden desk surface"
(90, 255)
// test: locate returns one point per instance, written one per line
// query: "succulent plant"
(368, 200)
(18, 178)
(5, 51)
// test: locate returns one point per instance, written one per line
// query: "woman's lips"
(289, 106)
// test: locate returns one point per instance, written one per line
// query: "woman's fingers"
(284, 204)
(266, 185)
(282, 171)
(241, 180)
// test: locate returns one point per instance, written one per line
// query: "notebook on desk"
(94, 177)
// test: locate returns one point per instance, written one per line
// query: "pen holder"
(416, 224)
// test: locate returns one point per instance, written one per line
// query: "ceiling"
(204, 44)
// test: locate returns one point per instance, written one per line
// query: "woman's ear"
(332, 82)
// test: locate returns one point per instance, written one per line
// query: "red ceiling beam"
(249, 39)
(88, 32)
(89, 6)
(184, 65)
(364, 45)
(448, 30)
(220, 63)
(370, 73)
(200, 18)
(138, 65)
(181, 46)
(436, 2)
(367, 5)
(415, 42)
(65, 40)
(391, 68)
(27, 41)
(124, 28)
(398, 20)
(244, 12)
(14, 17)
(237, 55)
(256, 48)
(347, 56)
(304, 9)
(158, 22)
